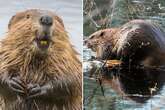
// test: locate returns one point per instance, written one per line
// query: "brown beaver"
(99, 42)
(136, 42)
(39, 69)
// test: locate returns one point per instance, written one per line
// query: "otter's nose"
(46, 20)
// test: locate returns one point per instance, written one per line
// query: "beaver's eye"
(27, 16)
(102, 33)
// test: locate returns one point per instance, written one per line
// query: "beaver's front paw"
(16, 85)
(35, 90)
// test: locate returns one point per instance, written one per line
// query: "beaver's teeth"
(43, 42)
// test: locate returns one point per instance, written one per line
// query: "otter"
(136, 42)
(39, 68)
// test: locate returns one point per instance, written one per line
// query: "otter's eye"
(27, 16)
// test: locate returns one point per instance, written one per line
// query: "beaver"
(139, 45)
(136, 42)
(99, 42)
(39, 68)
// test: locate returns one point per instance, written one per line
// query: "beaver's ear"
(92, 36)
(10, 21)
(59, 20)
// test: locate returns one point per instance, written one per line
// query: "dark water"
(147, 93)
(137, 93)
(69, 10)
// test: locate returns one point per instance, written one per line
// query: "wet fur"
(102, 41)
(136, 41)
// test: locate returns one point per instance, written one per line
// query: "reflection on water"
(144, 82)
(70, 11)
(122, 88)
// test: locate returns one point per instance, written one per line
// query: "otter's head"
(36, 30)
(102, 42)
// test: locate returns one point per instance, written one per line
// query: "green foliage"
(99, 14)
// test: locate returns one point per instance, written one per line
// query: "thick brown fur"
(100, 40)
(136, 41)
(59, 66)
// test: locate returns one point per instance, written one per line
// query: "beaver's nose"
(46, 20)
(85, 42)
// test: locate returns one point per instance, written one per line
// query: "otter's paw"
(17, 85)
(35, 90)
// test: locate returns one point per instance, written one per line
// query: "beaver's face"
(100, 42)
(96, 39)
(37, 27)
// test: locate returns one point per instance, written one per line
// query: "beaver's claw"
(16, 85)
(36, 90)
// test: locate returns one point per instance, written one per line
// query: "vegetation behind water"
(100, 14)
